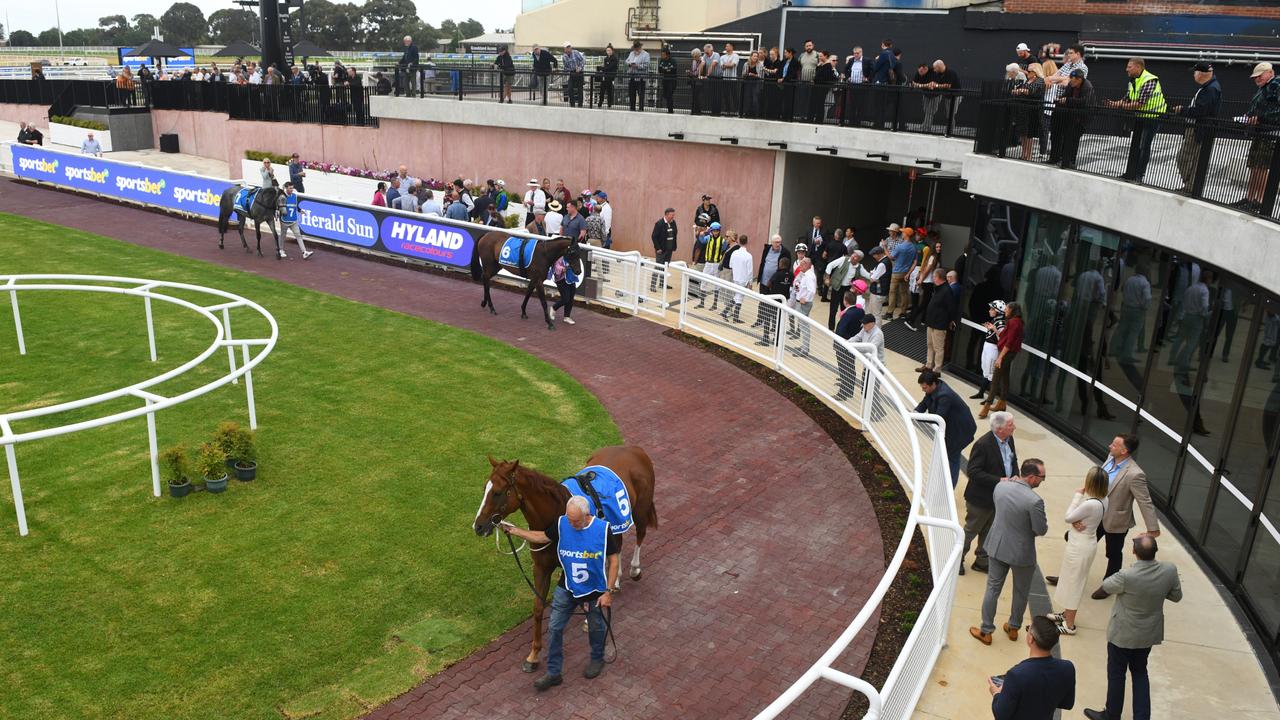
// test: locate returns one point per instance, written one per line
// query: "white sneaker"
(569, 321)
(283, 256)
(307, 253)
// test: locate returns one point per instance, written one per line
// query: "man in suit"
(1011, 546)
(849, 325)
(1137, 624)
(1036, 687)
(941, 400)
(663, 238)
(1128, 485)
(994, 458)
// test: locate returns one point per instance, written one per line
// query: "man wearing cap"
(553, 219)
(543, 62)
(1264, 113)
(1204, 104)
(881, 276)
(1144, 96)
(606, 214)
(709, 209)
(837, 276)
(538, 226)
(574, 64)
(904, 258)
(1024, 56)
(637, 68)
(534, 199)
(296, 172)
(1070, 119)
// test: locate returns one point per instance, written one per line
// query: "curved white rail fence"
(217, 313)
(846, 377)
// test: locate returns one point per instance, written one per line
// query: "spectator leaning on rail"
(1204, 106)
(408, 67)
(1137, 624)
(637, 69)
(1145, 97)
(667, 71)
(942, 401)
(1037, 687)
(572, 534)
(575, 65)
(1264, 114)
(543, 63)
(507, 68)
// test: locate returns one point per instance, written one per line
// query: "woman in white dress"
(1083, 516)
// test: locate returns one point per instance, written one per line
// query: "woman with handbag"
(1083, 516)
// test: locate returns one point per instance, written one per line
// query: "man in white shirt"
(803, 291)
(554, 219)
(742, 272)
(729, 73)
(838, 275)
(90, 146)
(431, 206)
(606, 214)
(407, 201)
(534, 199)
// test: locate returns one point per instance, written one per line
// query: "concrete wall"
(561, 22)
(812, 185)
(37, 115)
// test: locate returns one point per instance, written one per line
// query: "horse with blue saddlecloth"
(530, 258)
(257, 204)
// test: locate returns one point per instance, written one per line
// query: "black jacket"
(1034, 688)
(1204, 104)
(713, 212)
(544, 61)
(610, 66)
(825, 74)
(868, 68)
(760, 265)
(985, 469)
(667, 69)
(1080, 100)
(659, 235)
(850, 322)
(780, 283)
(943, 310)
(505, 63)
(410, 57)
(961, 426)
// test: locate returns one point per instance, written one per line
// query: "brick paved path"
(767, 548)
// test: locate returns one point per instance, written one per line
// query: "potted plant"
(211, 463)
(224, 438)
(245, 452)
(173, 461)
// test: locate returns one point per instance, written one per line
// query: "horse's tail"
(651, 517)
(477, 267)
(224, 210)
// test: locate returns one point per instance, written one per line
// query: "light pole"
(57, 13)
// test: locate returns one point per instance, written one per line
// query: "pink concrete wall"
(38, 115)
(642, 177)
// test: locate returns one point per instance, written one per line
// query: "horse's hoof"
(528, 666)
(259, 253)
(635, 574)
(492, 311)
(551, 326)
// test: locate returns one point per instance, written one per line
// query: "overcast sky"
(37, 16)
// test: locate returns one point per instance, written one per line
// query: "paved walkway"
(767, 547)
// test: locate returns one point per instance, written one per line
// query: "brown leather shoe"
(1011, 632)
(984, 638)
(923, 368)
(1000, 406)
(986, 410)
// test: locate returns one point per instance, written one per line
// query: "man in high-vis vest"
(289, 221)
(588, 555)
(1146, 98)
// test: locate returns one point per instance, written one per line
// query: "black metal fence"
(1218, 160)
(889, 107)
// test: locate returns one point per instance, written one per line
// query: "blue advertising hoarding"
(186, 61)
(435, 240)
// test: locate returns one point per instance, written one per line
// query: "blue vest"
(581, 554)
(290, 214)
(612, 493)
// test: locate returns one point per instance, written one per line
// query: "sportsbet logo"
(141, 184)
(87, 174)
(38, 165)
(200, 197)
(581, 554)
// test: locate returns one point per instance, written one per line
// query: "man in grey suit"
(1011, 547)
(1137, 624)
(994, 458)
(1128, 486)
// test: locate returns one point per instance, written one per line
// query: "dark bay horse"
(542, 500)
(267, 204)
(489, 247)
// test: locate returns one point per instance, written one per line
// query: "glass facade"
(1125, 336)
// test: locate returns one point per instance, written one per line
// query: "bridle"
(500, 499)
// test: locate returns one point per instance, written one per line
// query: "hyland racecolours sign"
(443, 244)
(124, 181)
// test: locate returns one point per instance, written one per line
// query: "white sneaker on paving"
(283, 256)
(569, 321)
(308, 253)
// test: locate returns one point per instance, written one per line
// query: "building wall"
(1259, 8)
(37, 115)
(561, 22)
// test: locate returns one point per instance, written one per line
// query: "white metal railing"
(217, 313)
(850, 379)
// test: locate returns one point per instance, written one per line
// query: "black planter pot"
(216, 485)
(246, 471)
(231, 465)
(178, 491)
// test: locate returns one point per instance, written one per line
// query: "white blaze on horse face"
(488, 488)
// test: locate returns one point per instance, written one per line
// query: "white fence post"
(780, 344)
(14, 484)
(17, 324)
(231, 351)
(151, 445)
(151, 329)
(684, 296)
(248, 387)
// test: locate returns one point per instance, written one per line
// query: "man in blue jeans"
(588, 555)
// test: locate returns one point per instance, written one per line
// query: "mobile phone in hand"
(997, 680)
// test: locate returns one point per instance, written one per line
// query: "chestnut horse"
(489, 247)
(542, 500)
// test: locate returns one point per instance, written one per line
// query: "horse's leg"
(240, 221)
(279, 244)
(541, 579)
(488, 298)
(546, 314)
(257, 229)
(635, 555)
(528, 293)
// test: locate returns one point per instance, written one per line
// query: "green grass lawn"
(343, 575)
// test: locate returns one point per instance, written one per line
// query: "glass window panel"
(1039, 283)
(1253, 438)
(1262, 576)
(1081, 312)
(988, 275)
(1163, 399)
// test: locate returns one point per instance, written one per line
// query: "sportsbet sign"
(435, 240)
(124, 181)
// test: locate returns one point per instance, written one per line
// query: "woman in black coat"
(608, 73)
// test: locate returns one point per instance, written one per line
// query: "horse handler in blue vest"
(289, 218)
(588, 555)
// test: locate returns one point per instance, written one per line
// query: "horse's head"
(571, 253)
(501, 496)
